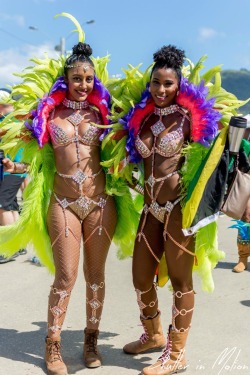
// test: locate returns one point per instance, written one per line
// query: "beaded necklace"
(75, 105)
(166, 111)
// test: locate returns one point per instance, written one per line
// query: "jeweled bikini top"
(170, 143)
(59, 136)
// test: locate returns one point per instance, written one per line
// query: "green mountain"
(238, 83)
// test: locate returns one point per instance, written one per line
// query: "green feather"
(79, 29)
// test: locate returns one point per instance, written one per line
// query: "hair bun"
(82, 49)
(170, 55)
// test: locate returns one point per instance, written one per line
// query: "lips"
(161, 97)
(82, 93)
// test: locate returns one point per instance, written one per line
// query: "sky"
(130, 31)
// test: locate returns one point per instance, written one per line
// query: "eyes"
(79, 79)
(166, 84)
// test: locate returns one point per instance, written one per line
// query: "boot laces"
(91, 342)
(144, 337)
(54, 351)
(165, 356)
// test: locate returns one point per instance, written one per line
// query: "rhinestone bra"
(170, 143)
(59, 137)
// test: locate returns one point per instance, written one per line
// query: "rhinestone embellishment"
(169, 206)
(74, 105)
(157, 128)
(95, 304)
(64, 203)
(79, 177)
(166, 111)
(75, 119)
(150, 181)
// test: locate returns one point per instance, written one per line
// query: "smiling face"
(164, 85)
(80, 81)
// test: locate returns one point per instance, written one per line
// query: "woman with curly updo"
(162, 134)
(79, 207)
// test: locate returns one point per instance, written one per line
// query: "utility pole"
(61, 47)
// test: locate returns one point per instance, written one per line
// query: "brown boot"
(172, 360)
(53, 358)
(244, 253)
(152, 339)
(91, 355)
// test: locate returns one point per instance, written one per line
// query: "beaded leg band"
(58, 310)
(95, 302)
(181, 311)
(151, 304)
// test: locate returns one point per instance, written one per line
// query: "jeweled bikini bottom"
(159, 212)
(82, 206)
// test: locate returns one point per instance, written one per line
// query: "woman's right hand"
(8, 165)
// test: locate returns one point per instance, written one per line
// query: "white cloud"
(15, 60)
(206, 33)
(16, 18)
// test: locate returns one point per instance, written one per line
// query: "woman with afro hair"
(161, 136)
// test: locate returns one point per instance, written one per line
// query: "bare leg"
(98, 230)
(180, 265)
(6, 217)
(144, 268)
(143, 277)
(66, 252)
(96, 246)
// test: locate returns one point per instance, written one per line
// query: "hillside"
(238, 82)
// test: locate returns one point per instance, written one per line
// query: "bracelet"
(20, 167)
(139, 189)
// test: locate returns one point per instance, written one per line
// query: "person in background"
(9, 207)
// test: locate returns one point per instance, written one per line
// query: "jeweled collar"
(166, 111)
(75, 105)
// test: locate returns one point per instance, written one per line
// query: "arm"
(14, 167)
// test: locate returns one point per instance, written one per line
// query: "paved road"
(218, 342)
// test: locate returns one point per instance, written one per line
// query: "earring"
(177, 92)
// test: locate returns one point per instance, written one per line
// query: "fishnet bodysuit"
(79, 209)
(160, 228)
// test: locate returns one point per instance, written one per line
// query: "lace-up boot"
(53, 358)
(152, 338)
(91, 355)
(172, 360)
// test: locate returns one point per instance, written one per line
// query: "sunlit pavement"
(218, 342)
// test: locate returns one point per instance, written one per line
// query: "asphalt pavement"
(218, 342)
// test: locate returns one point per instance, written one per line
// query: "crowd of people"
(74, 120)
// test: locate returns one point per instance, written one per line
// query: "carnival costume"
(201, 164)
(50, 219)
